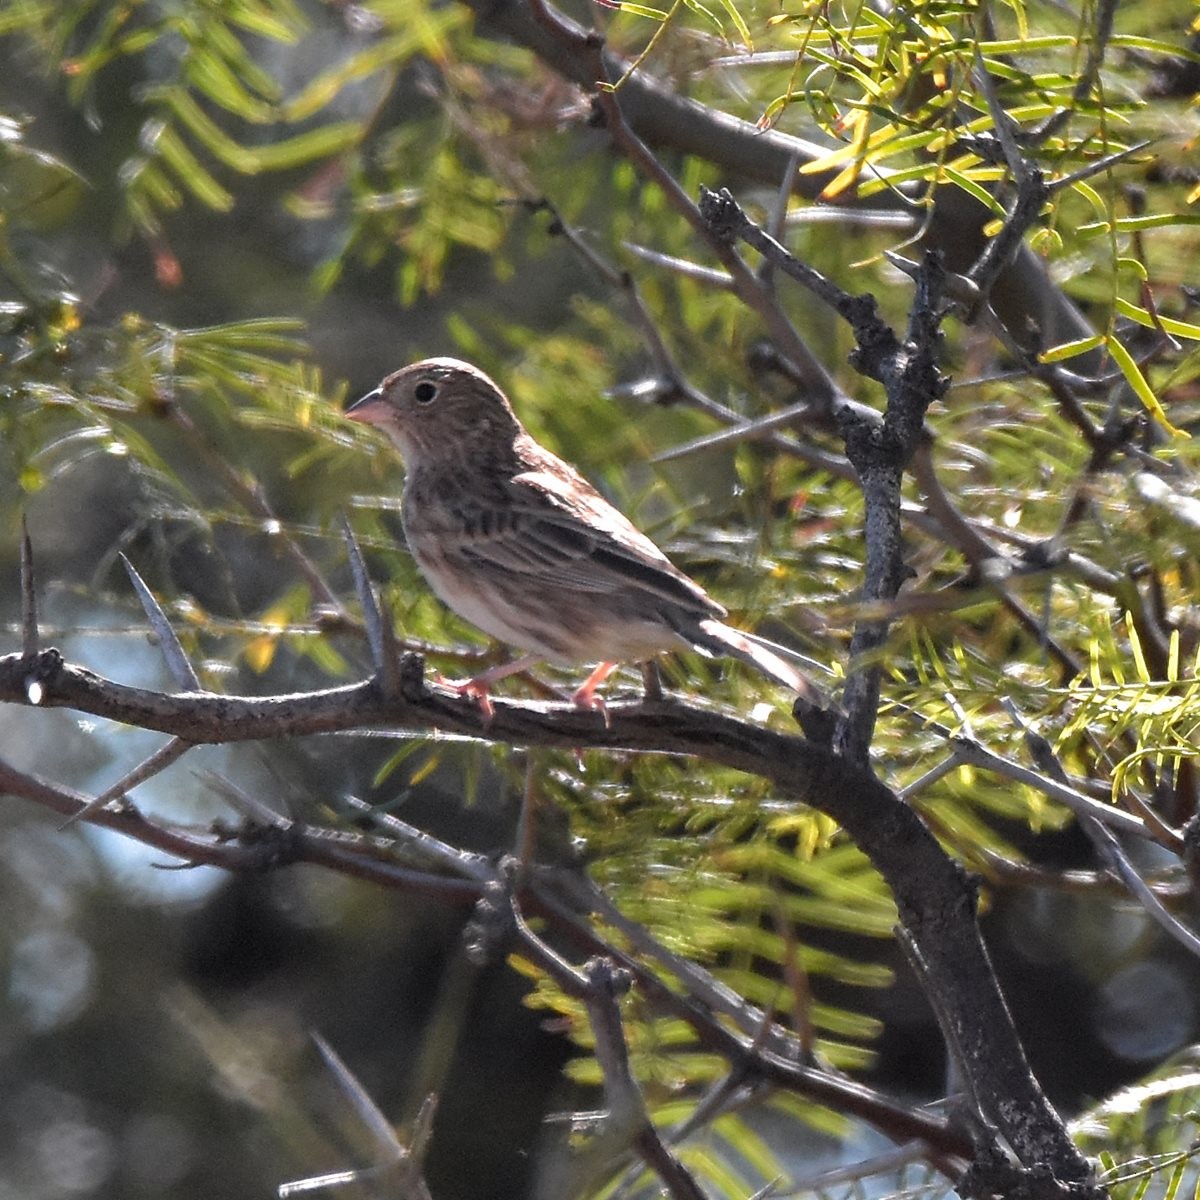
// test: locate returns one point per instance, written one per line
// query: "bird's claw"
(585, 698)
(476, 689)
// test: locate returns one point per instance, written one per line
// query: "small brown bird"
(520, 544)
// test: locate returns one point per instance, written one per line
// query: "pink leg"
(585, 696)
(478, 687)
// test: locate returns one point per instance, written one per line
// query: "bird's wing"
(558, 530)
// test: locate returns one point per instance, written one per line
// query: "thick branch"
(280, 843)
(879, 449)
(935, 901)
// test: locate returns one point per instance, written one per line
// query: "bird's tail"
(717, 637)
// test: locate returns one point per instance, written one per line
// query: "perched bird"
(520, 544)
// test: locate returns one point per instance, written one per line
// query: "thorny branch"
(879, 458)
(935, 901)
(462, 878)
(397, 1167)
(879, 449)
(937, 906)
(599, 983)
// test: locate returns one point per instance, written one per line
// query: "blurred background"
(155, 1019)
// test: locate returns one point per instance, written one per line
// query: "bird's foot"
(479, 686)
(590, 702)
(478, 689)
(585, 696)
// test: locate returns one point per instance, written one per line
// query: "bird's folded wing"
(556, 532)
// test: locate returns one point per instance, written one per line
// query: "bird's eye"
(425, 392)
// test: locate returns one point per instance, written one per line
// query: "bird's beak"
(370, 409)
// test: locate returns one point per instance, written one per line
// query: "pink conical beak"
(370, 409)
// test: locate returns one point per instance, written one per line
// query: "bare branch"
(598, 985)
(698, 983)
(967, 750)
(672, 384)
(935, 901)
(625, 1101)
(750, 1057)
(1097, 46)
(749, 288)
(248, 850)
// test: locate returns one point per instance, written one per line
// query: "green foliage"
(1146, 1135)
(1136, 720)
(208, 105)
(414, 152)
(722, 875)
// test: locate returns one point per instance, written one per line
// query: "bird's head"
(438, 408)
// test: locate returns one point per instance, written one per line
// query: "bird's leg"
(585, 696)
(651, 682)
(478, 687)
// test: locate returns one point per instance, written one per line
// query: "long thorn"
(388, 1147)
(177, 660)
(366, 598)
(1103, 164)
(29, 621)
(162, 758)
(389, 669)
(735, 434)
(249, 806)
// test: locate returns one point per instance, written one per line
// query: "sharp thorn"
(162, 758)
(29, 621)
(389, 670)
(366, 598)
(249, 806)
(387, 1145)
(177, 660)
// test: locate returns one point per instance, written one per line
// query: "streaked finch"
(520, 544)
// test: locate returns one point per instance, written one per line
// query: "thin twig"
(254, 502)
(1105, 842)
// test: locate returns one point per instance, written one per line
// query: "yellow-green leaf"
(1137, 381)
